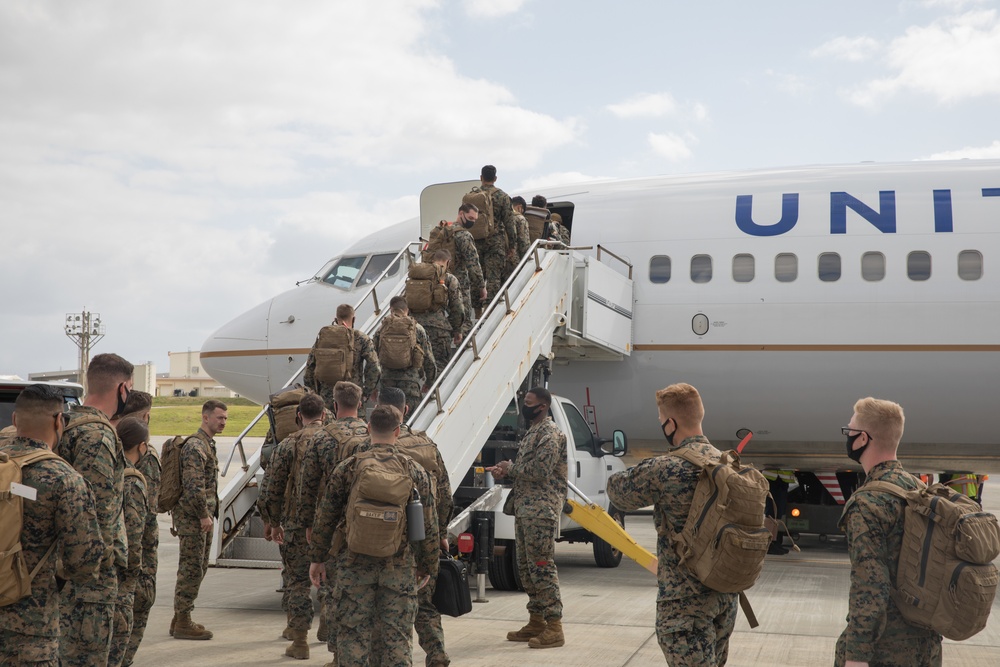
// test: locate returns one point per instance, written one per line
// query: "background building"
(144, 378)
(188, 378)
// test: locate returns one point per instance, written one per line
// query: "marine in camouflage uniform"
(411, 380)
(494, 249)
(375, 592)
(523, 241)
(557, 230)
(145, 587)
(466, 267)
(87, 609)
(693, 622)
(876, 632)
(444, 324)
(136, 507)
(63, 513)
(367, 370)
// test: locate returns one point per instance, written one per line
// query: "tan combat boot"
(551, 638)
(287, 632)
(535, 627)
(185, 628)
(299, 648)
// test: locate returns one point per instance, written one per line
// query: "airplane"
(783, 295)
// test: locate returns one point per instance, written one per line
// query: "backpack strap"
(24, 460)
(132, 472)
(748, 610)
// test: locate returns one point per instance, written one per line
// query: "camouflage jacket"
(539, 473)
(318, 461)
(667, 483)
(63, 510)
(873, 523)
(558, 232)
(367, 369)
(149, 466)
(466, 264)
(444, 502)
(278, 506)
(330, 517)
(136, 510)
(424, 375)
(523, 236)
(199, 481)
(503, 216)
(451, 316)
(95, 451)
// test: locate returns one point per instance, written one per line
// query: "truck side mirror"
(619, 444)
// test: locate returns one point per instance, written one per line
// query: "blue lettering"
(789, 216)
(884, 221)
(991, 192)
(942, 211)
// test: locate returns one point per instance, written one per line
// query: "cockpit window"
(343, 273)
(376, 265)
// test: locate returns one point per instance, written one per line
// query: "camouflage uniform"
(428, 622)
(876, 632)
(693, 622)
(366, 373)
(199, 500)
(465, 266)
(87, 609)
(278, 506)
(441, 325)
(375, 592)
(493, 250)
(145, 588)
(63, 510)
(411, 381)
(558, 232)
(539, 476)
(523, 241)
(136, 511)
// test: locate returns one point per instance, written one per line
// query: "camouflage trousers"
(694, 631)
(296, 599)
(428, 626)
(328, 597)
(375, 593)
(535, 545)
(470, 314)
(85, 632)
(145, 596)
(441, 344)
(408, 382)
(17, 650)
(122, 629)
(192, 564)
(493, 258)
(898, 647)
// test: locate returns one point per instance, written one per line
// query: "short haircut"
(556, 217)
(106, 371)
(682, 403)
(539, 200)
(347, 394)
(468, 208)
(489, 173)
(883, 420)
(38, 400)
(211, 405)
(137, 401)
(518, 200)
(441, 256)
(542, 394)
(132, 432)
(393, 396)
(398, 305)
(311, 406)
(385, 419)
(345, 312)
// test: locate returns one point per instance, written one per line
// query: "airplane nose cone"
(236, 353)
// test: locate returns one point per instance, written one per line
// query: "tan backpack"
(426, 291)
(537, 218)
(170, 473)
(283, 406)
(423, 452)
(485, 223)
(945, 577)
(304, 438)
(334, 354)
(375, 516)
(442, 237)
(15, 580)
(397, 346)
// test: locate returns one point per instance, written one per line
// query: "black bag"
(452, 596)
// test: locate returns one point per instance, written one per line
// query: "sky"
(170, 164)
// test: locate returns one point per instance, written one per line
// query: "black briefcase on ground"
(452, 596)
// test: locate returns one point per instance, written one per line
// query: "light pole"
(84, 329)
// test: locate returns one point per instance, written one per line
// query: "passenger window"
(743, 268)
(970, 265)
(659, 269)
(344, 272)
(578, 426)
(701, 268)
(873, 266)
(376, 265)
(786, 267)
(918, 265)
(829, 267)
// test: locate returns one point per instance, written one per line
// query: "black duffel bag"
(452, 596)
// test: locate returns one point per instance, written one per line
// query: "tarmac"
(609, 614)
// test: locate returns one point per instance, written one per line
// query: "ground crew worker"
(279, 510)
(539, 493)
(133, 434)
(876, 633)
(366, 370)
(465, 264)
(777, 481)
(374, 590)
(60, 523)
(415, 379)
(194, 517)
(966, 484)
(495, 249)
(91, 445)
(521, 226)
(444, 326)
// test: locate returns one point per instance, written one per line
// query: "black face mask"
(121, 401)
(855, 454)
(468, 224)
(529, 412)
(670, 438)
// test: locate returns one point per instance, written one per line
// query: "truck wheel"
(503, 569)
(606, 555)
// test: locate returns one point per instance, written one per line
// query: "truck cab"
(10, 388)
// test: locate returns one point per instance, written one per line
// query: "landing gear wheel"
(606, 555)
(503, 569)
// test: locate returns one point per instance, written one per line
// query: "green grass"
(182, 416)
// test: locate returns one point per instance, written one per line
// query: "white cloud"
(645, 105)
(951, 59)
(852, 49)
(970, 152)
(489, 9)
(672, 146)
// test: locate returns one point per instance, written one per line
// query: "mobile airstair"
(558, 301)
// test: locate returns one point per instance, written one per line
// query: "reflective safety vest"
(967, 485)
(787, 476)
